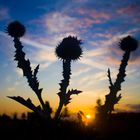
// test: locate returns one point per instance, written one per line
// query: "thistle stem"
(63, 86)
(43, 106)
(121, 75)
(25, 66)
(57, 114)
(111, 98)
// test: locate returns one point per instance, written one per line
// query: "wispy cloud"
(19, 72)
(97, 16)
(45, 53)
(4, 13)
(75, 20)
(134, 107)
(128, 108)
(35, 44)
(93, 63)
(129, 10)
(11, 89)
(94, 52)
(80, 20)
(81, 71)
(62, 23)
(57, 22)
(89, 79)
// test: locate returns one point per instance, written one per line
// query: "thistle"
(17, 30)
(127, 44)
(69, 49)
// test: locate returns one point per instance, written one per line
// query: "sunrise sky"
(98, 23)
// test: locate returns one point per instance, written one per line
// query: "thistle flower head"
(16, 29)
(69, 48)
(128, 44)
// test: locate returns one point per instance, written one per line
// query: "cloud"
(93, 63)
(81, 71)
(94, 14)
(59, 25)
(45, 65)
(90, 78)
(56, 22)
(108, 49)
(4, 13)
(113, 60)
(78, 21)
(130, 11)
(134, 107)
(19, 72)
(128, 108)
(71, 19)
(11, 89)
(13, 86)
(44, 55)
(94, 52)
(5, 45)
(35, 44)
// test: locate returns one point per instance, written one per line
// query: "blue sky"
(99, 24)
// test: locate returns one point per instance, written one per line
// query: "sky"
(99, 24)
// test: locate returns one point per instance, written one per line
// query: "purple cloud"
(4, 13)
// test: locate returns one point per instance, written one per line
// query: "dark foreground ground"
(118, 126)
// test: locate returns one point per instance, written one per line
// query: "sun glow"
(88, 116)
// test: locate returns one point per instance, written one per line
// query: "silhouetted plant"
(23, 116)
(69, 49)
(17, 30)
(127, 44)
(80, 116)
(65, 113)
(15, 116)
(98, 107)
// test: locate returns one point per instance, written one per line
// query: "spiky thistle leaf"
(118, 98)
(25, 66)
(28, 103)
(68, 95)
(109, 77)
(36, 70)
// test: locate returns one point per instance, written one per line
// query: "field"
(117, 126)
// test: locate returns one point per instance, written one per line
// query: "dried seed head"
(128, 44)
(69, 48)
(16, 29)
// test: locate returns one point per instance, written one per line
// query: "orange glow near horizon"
(88, 116)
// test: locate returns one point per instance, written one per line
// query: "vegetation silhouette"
(69, 49)
(127, 44)
(118, 126)
(40, 125)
